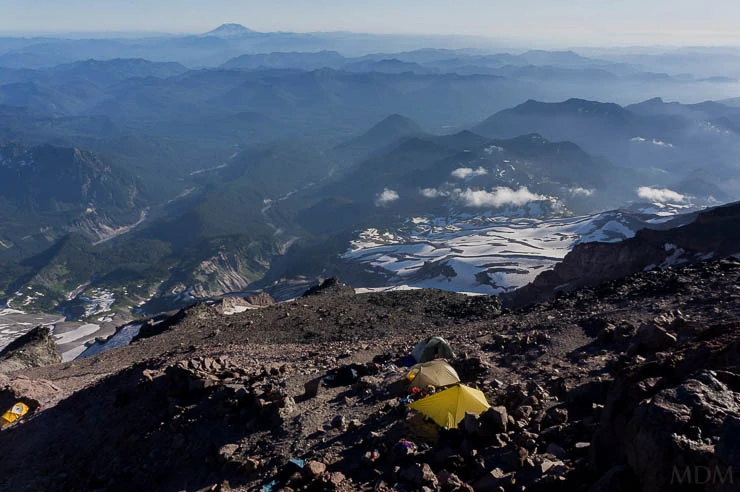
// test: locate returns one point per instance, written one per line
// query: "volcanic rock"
(330, 286)
(497, 417)
(34, 349)
(570, 409)
(651, 338)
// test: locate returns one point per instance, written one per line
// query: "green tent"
(434, 348)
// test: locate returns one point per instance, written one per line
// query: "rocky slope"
(587, 391)
(714, 234)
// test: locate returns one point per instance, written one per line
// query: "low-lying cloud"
(656, 142)
(433, 193)
(498, 197)
(386, 197)
(579, 191)
(493, 148)
(468, 172)
(660, 195)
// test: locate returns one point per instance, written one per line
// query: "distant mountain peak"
(399, 120)
(571, 105)
(394, 126)
(229, 31)
(655, 100)
(391, 129)
(585, 104)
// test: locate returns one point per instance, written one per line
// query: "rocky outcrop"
(330, 286)
(34, 349)
(233, 305)
(263, 299)
(672, 419)
(225, 272)
(714, 234)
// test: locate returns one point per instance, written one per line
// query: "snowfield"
(480, 254)
(15, 323)
(121, 338)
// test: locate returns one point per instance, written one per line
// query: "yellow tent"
(447, 408)
(438, 373)
(17, 411)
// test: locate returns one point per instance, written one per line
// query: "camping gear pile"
(15, 413)
(447, 408)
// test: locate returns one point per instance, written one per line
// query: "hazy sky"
(593, 22)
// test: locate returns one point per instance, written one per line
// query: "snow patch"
(121, 338)
(73, 353)
(7, 311)
(483, 254)
(676, 257)
(76, 334)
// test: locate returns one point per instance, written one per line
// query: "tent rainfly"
(438, 373)
(447, 408)
(434, 348)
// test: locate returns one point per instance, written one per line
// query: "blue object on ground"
(407, 361)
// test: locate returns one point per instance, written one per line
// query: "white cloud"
(656, 142)
(468, 172)
(386, 197)
(581, 191)
(433, 193)
(661, 195)
(493, 148)
(499, 197)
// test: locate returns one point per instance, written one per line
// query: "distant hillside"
(48, 190)
(589, 119)
(422, 175)
(389, 131)
(305, 61)
(107, 72)
(662, 142)
(55, 179)
(392, 65)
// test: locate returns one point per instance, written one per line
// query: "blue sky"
(571, 21)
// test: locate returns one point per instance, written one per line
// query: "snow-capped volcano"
(229, 31)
